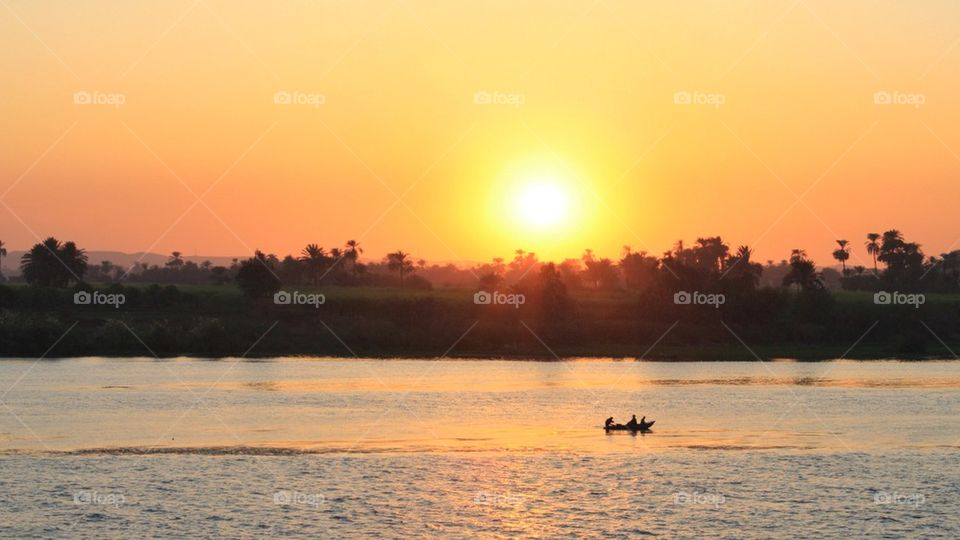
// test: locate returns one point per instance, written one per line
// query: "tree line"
(708, 264)
(623, 307)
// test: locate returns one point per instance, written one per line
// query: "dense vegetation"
(591, 306)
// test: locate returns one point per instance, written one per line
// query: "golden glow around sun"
(542, 203)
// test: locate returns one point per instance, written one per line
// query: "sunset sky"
(465, 130)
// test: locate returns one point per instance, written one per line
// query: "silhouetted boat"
(642, 426)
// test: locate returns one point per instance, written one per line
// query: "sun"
(542, 204)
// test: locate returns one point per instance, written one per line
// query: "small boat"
(642, 427)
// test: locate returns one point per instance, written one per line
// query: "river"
(452, 448)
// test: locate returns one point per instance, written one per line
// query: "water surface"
(497, 448)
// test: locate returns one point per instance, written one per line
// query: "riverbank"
(381, 322)
(720, 353)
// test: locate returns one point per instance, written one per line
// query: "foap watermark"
(910, 499)
(298, 498)
(884, 97)
(484, 298)
(487, 498)
(696, 298)
(109, 99)
(484, 97)
(699, 498)
(711, 99)
(97, 298)
(884, 298)
(308, 99)
(95, 498)
(297, 298)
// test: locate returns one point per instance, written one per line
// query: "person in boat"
(632, 424)
(608, 423)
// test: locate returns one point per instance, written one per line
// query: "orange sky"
(584, 96)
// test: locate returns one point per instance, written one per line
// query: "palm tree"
(3, 253)
(352, 253)
(678, 248)
(803, 272)
(600, 272)
(312, 252)
(53, 264)
(315, 258)
(710, 253)
(74, 260)
(400, 261)
(873, 248)
(904, 260)
(890, 241)
(842, 254)
(176, 260)
(256, 277)
(353, 249)
(336, 255)
(744, 269)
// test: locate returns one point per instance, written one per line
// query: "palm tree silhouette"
(873, 248)
(803, 272)
(400, 261)
(599, 272)
(53, 264)
(745, 269)
(3, 253)
(352, 253)
(336, 254)
(315, 258)
(176, 260)
(891, 239)
(353, 249)
(842, 254)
